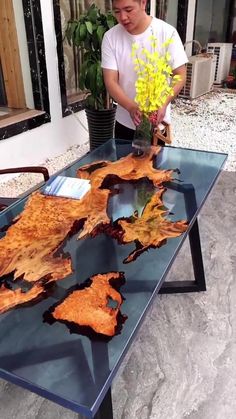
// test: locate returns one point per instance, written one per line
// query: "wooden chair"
(5, 202)
(162, 136)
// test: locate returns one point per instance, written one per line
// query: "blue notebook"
(68, 187)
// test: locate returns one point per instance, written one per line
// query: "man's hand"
(158, 116)
(135, 114)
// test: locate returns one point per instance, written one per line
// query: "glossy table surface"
(72, 369)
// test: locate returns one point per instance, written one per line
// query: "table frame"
(199, 283)
(105, 410)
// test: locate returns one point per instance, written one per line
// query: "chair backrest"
(5, 202)
(27, 169)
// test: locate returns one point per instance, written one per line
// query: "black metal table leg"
(101, 357)
(198, 284)
(105, 410)
(196, 252)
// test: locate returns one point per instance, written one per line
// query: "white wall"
(54, 138)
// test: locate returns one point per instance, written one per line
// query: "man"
(134, 25)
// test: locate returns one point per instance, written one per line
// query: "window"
(172, 13)
(69, 59)
(24, 102)
(212, 19)
(175, 13)
(12, 80)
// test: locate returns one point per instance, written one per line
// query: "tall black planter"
(101, 125)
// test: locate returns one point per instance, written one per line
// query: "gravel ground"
(22, 183)
(206, 123)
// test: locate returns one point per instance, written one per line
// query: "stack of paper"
(68, 187)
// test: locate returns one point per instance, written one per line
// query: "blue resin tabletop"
(72, 369)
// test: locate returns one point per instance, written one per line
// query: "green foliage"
(87, 33)
(234, 72)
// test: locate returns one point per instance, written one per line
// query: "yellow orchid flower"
(155, 80)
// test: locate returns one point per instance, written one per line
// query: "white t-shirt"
(116, 55)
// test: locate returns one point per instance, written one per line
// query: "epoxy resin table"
(72, 369)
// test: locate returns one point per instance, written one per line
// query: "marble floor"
(183, 363)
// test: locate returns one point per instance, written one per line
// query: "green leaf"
(82, 31)
(99, 75)
(87, 55)
(77, 40)
(91, 79)
(92, 14)
(100, 32)
(83, 72)
(87, 45)
(91, 102)
(70, 31)
(73, 30)
(82, 76)
(100, 102)
(95, 41)
(82, 81)
(111, 21)
(89, 27)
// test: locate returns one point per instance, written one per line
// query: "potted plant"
(86, 33)
(231, 79)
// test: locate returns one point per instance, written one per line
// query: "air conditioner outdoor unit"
(200, 76)
(223, 52)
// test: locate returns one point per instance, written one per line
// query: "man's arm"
(181, 71)
(111, 79)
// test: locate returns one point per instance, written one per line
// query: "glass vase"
(143, 137)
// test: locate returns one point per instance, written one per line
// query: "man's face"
(130, 14)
